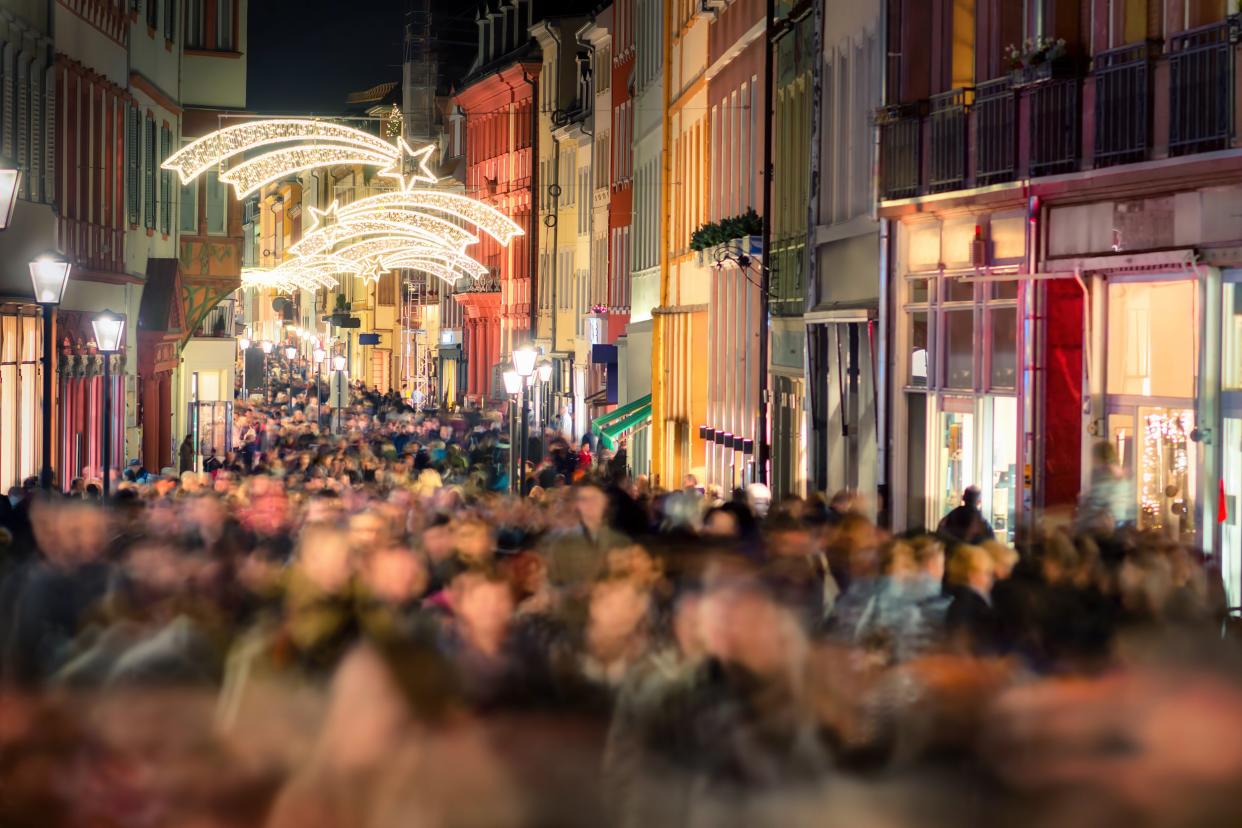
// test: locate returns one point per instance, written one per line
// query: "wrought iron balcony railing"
(949, 143)
(996, 133)
(1201, 88)
(1122, 104)
(900, 154)
(1055, 136)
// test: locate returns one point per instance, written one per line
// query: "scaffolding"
(419, 81)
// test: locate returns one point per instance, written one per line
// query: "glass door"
(1230, 520)
(999, 447)
(957, 453)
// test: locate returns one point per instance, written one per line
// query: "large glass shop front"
(959, 342)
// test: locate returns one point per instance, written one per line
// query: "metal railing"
(1055, 136)
(219, 321)
(949, 139)
(899, 152)
(996, 133)
(1122, 104)
(1201, 88)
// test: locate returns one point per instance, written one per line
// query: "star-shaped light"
(323, 217)
(372, 271)
(410, 168)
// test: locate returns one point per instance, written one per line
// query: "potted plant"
(1036, 60)
(717, 239)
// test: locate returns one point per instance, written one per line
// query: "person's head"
(721, 523)
(591, 505)
(1004, 558)
(971, 567)
(474, 540)
(483, 603)
(929, 557)
(323, 557)
(897, 560)
(618, 607)
(394, 574)
(368, 530)
(1103, 454)
(970, 497)
(69, 533)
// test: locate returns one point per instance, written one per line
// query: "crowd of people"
(355, 623)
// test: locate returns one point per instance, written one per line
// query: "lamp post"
(244, 345)
(266, 347)
(291, 354)
(338, 364)
(318, 355)
(513, 387)
(109, 328)
(544, 372)
(49, 275)
(524, 366)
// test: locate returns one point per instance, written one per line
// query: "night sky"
(307, 55)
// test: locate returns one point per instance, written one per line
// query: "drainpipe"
(762, 448)
(532, 237)
(658, 366)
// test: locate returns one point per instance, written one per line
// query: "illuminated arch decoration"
(463, 208)
(430, 229)
(409, 228)
(313, 143)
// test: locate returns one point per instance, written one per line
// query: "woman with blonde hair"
(971, 622)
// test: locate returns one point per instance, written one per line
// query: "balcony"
(1122, 111)
(1201, 88)
(220, 321)
(948, 124)
(900, 142)
(996, 128)
(1137, 103)
(1054, 107)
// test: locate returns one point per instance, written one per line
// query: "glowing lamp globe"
(513, 382)
(109, 328)
(338, 362)
(49, 275)
(291, 352)
(317, 355)
(524, 361)
(545, 372)
(266, 345)
(244, 343)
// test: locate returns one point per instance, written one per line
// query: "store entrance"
(1156, 452)
(977, 445)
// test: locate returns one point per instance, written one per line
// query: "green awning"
(619, 413)
(615, 425)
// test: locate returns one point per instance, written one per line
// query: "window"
(170, 19)
(153, 13)
(217, 204)
(209, 25)
(166, 185)
(133, 146)
(148, 174)
(1153, 339)
(189, 208)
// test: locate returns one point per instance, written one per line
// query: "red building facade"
(500, 135)
(621, 199)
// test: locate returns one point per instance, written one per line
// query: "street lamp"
(49, 275)
(524, 361)
(545, 371)
(244, 344)
(266, 345)
(517, 470)
(338, 365)
(291, 354)
(109, 328)
(317, 356)
(10, 182)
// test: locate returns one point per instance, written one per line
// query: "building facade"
(498, 100)
(1062, 262)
